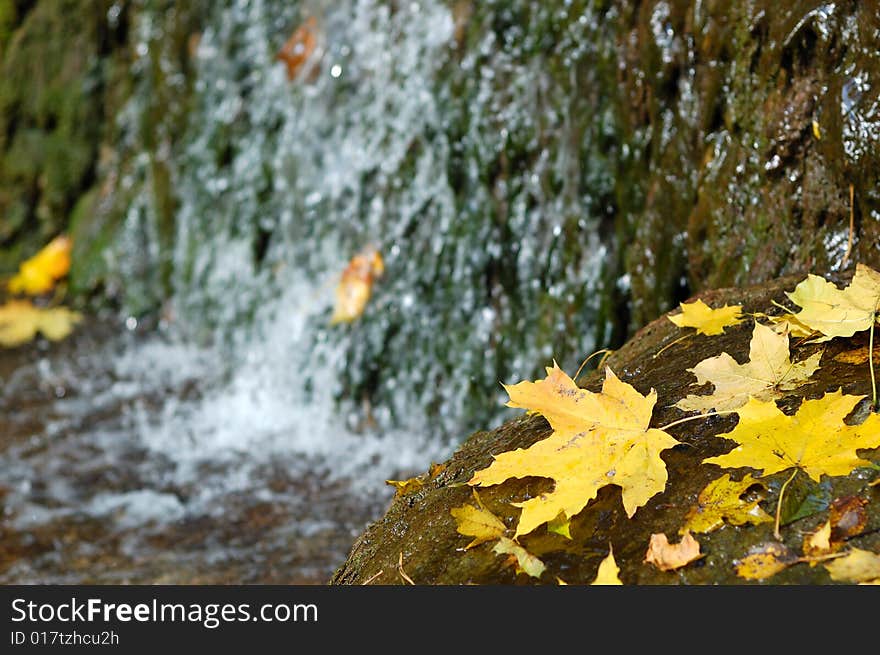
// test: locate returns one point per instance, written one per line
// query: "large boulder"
(417, 537)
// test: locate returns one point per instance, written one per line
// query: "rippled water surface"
(127, 459)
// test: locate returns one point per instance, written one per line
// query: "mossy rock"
(419, 531)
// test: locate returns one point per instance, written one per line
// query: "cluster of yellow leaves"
(480, 523)
(21, 320)
(847, 519)
(605, 438)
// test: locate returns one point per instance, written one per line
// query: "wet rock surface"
(418, 529)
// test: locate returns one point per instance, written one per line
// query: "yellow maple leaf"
(721, 501)
(838, 312)
(20, 321)
(767, 375)
(608, 573)
(765, 560)
(598, 439)
(668, 557)
(39, 274)
(477, 522)
(706, 320)
(861, 566)
(403, 487)
(525, 561)
(815, 439)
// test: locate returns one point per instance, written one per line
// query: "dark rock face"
(419, 530)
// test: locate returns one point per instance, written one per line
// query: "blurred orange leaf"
(356, 286)
(297, 50)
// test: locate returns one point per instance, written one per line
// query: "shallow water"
(129, 459)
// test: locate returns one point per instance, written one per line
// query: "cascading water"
(462, 163)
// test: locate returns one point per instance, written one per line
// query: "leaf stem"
(871, 366)
(779, 505)
(672, 343)
(698, 416)
(584, 363)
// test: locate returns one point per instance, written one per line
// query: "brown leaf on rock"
(847, 517)
(668, 557)
(856, 356)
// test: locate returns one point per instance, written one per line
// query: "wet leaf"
(848, 517)
(39, 274)
(598, 439)
(608, 571)
(838, 312)
(803, 498)
(767, 375)
(21, 321)
(814, 440)
(706, 320)
(356, 286)
(525, 561)
(764, 561)
(860, 566)
(720, 501)
(477, 522)
(668, 557)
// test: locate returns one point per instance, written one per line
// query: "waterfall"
(461, 165)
